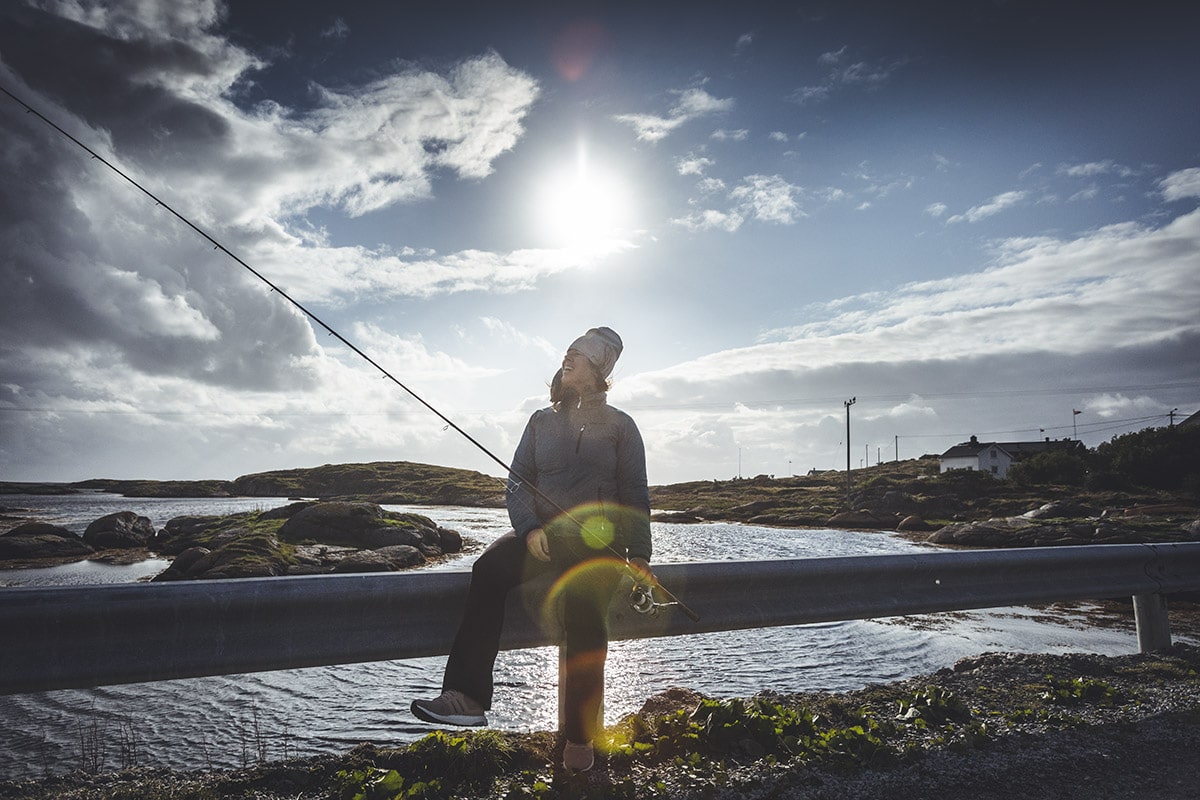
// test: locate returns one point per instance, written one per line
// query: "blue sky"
(973, 217)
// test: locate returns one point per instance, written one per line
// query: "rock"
(1006, 532)
(1192, 528)
(365, 561)
(858, 519)
(186, 561)
(121, 530)
(1060, 510)
(897, 502)
(42, 540)
(683, 517)
(747, 510)
(286, 512)
(1161, 510)
(913, 523)
(401, 556)
(180, 533)
(359, 525)
(450, 541)
(192, 559)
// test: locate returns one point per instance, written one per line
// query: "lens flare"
(598, 532)
(592, 580)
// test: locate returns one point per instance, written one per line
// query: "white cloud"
(768, 198)
(339, 274)
(407, 357)
(722, 135)
(1092, 169)
(371, 147)
(997, 204)
(338, 29)
(506, 332)
(936, 210)
(152, 296)
(778, 136)
(691, 104)
(1182, 184)
(843, 73)
(692, 164)
(1112, 305)
(711, 219)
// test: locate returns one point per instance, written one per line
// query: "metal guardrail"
(73, 637)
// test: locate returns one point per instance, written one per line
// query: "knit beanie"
(602, 347)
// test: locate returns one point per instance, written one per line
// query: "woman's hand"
(538, 544)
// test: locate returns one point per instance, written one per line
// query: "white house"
(989, 457)
(995, 458)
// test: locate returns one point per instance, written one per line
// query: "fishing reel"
(641, 600)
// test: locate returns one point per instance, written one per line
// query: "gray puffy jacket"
(589, 459)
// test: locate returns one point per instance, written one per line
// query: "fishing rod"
(636, 599)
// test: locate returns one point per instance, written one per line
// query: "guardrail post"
(1153, 624)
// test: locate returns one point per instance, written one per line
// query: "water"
(233, 720)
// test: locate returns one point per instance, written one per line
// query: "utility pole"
(1172, 414)
(847, 404)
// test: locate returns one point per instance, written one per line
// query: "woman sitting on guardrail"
(579, 505)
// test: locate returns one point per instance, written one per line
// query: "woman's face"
(578, 373)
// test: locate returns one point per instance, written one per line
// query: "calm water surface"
(230, 720)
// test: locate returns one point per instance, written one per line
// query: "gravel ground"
(1147, 746)
(1119, 727)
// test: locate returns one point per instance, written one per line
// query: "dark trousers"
(585, 590)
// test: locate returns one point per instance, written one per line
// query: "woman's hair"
(558, 394)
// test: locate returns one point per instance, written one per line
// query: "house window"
(995, 469)
(993, 454)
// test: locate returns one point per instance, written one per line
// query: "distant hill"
(383, 482)
(888, 491)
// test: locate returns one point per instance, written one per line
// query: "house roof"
(971, 449)
(1015, 450)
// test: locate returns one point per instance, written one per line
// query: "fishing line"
(332, 332)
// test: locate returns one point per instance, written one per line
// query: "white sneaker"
(451, 707)
(578, 757)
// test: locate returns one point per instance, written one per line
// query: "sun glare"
(582, 205)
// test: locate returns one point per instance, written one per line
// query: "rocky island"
(346, 529)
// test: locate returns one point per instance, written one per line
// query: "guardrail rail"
(74, 637)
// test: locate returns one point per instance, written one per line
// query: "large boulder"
(914, 524)
(1000, 532)
(1060, 510)
(121, 530)
(313, 538)
(245, 555)
(42, 540)
(365, 561)
(364, 526)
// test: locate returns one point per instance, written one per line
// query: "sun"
(582, 205)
